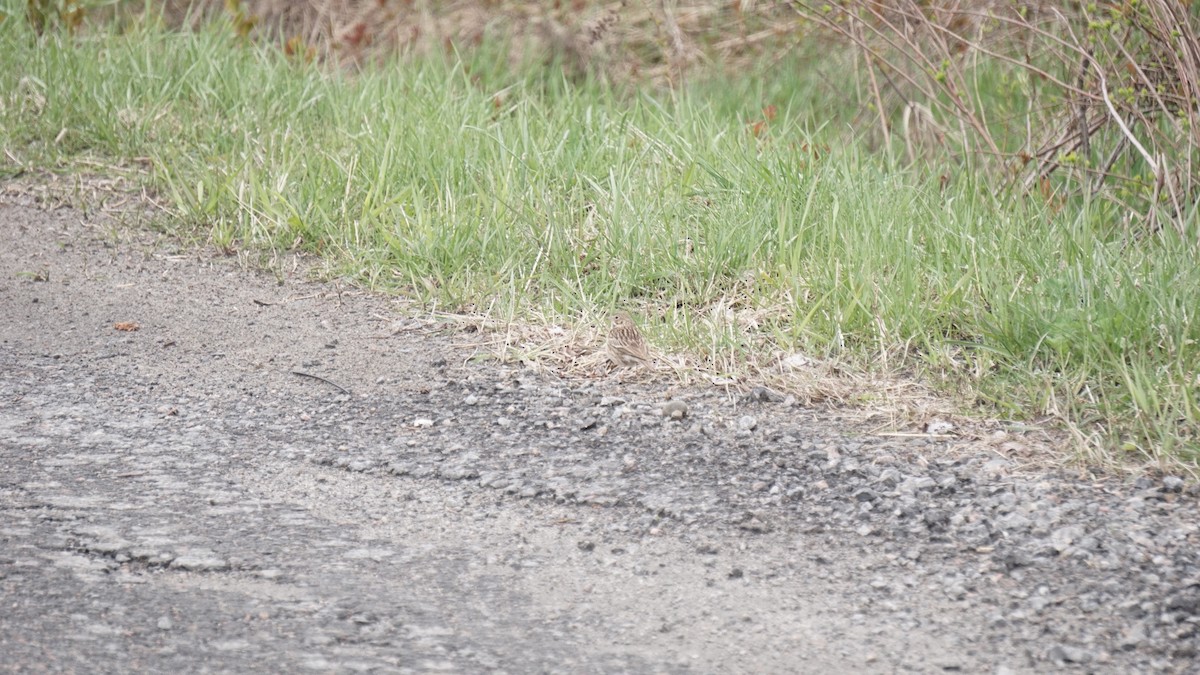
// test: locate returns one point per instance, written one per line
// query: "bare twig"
(1108, 164)
(318, 377)
(1085, 147)
(1112, 110)
(883, 120)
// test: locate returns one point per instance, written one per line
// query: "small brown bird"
(626, 346)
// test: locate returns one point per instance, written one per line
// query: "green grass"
(473, 187)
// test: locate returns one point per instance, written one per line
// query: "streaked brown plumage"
(626, 346)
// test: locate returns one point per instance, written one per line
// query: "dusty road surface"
(175, 499)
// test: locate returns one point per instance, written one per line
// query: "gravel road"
(175, 498)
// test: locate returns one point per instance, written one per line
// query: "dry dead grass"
(636, 41)
(889, 404)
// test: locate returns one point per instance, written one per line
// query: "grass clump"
(733, 219)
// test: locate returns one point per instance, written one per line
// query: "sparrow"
(626, 346)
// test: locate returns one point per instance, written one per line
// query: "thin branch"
(1108, 164)
(883, 122)
(1081, 114)
(1065, 86)
(318, 377)
(1121, 123)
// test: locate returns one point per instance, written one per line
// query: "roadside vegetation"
(1000, 206)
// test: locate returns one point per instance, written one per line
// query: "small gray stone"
(1133, 637)
(1173, 484)
(996, 467)
(765, 395)
(1011, 560)
(675, 409)
(458, 472)
(1186, 601)
(752, 523)
(936, 518)
(866, 495)
(200, 562)
(947, 663)
(1066, 654)
(1013, 522)
(1062, 538)
(747, 423)
(954, 589)
(360, 465)
(915, 484)
(938, 427)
